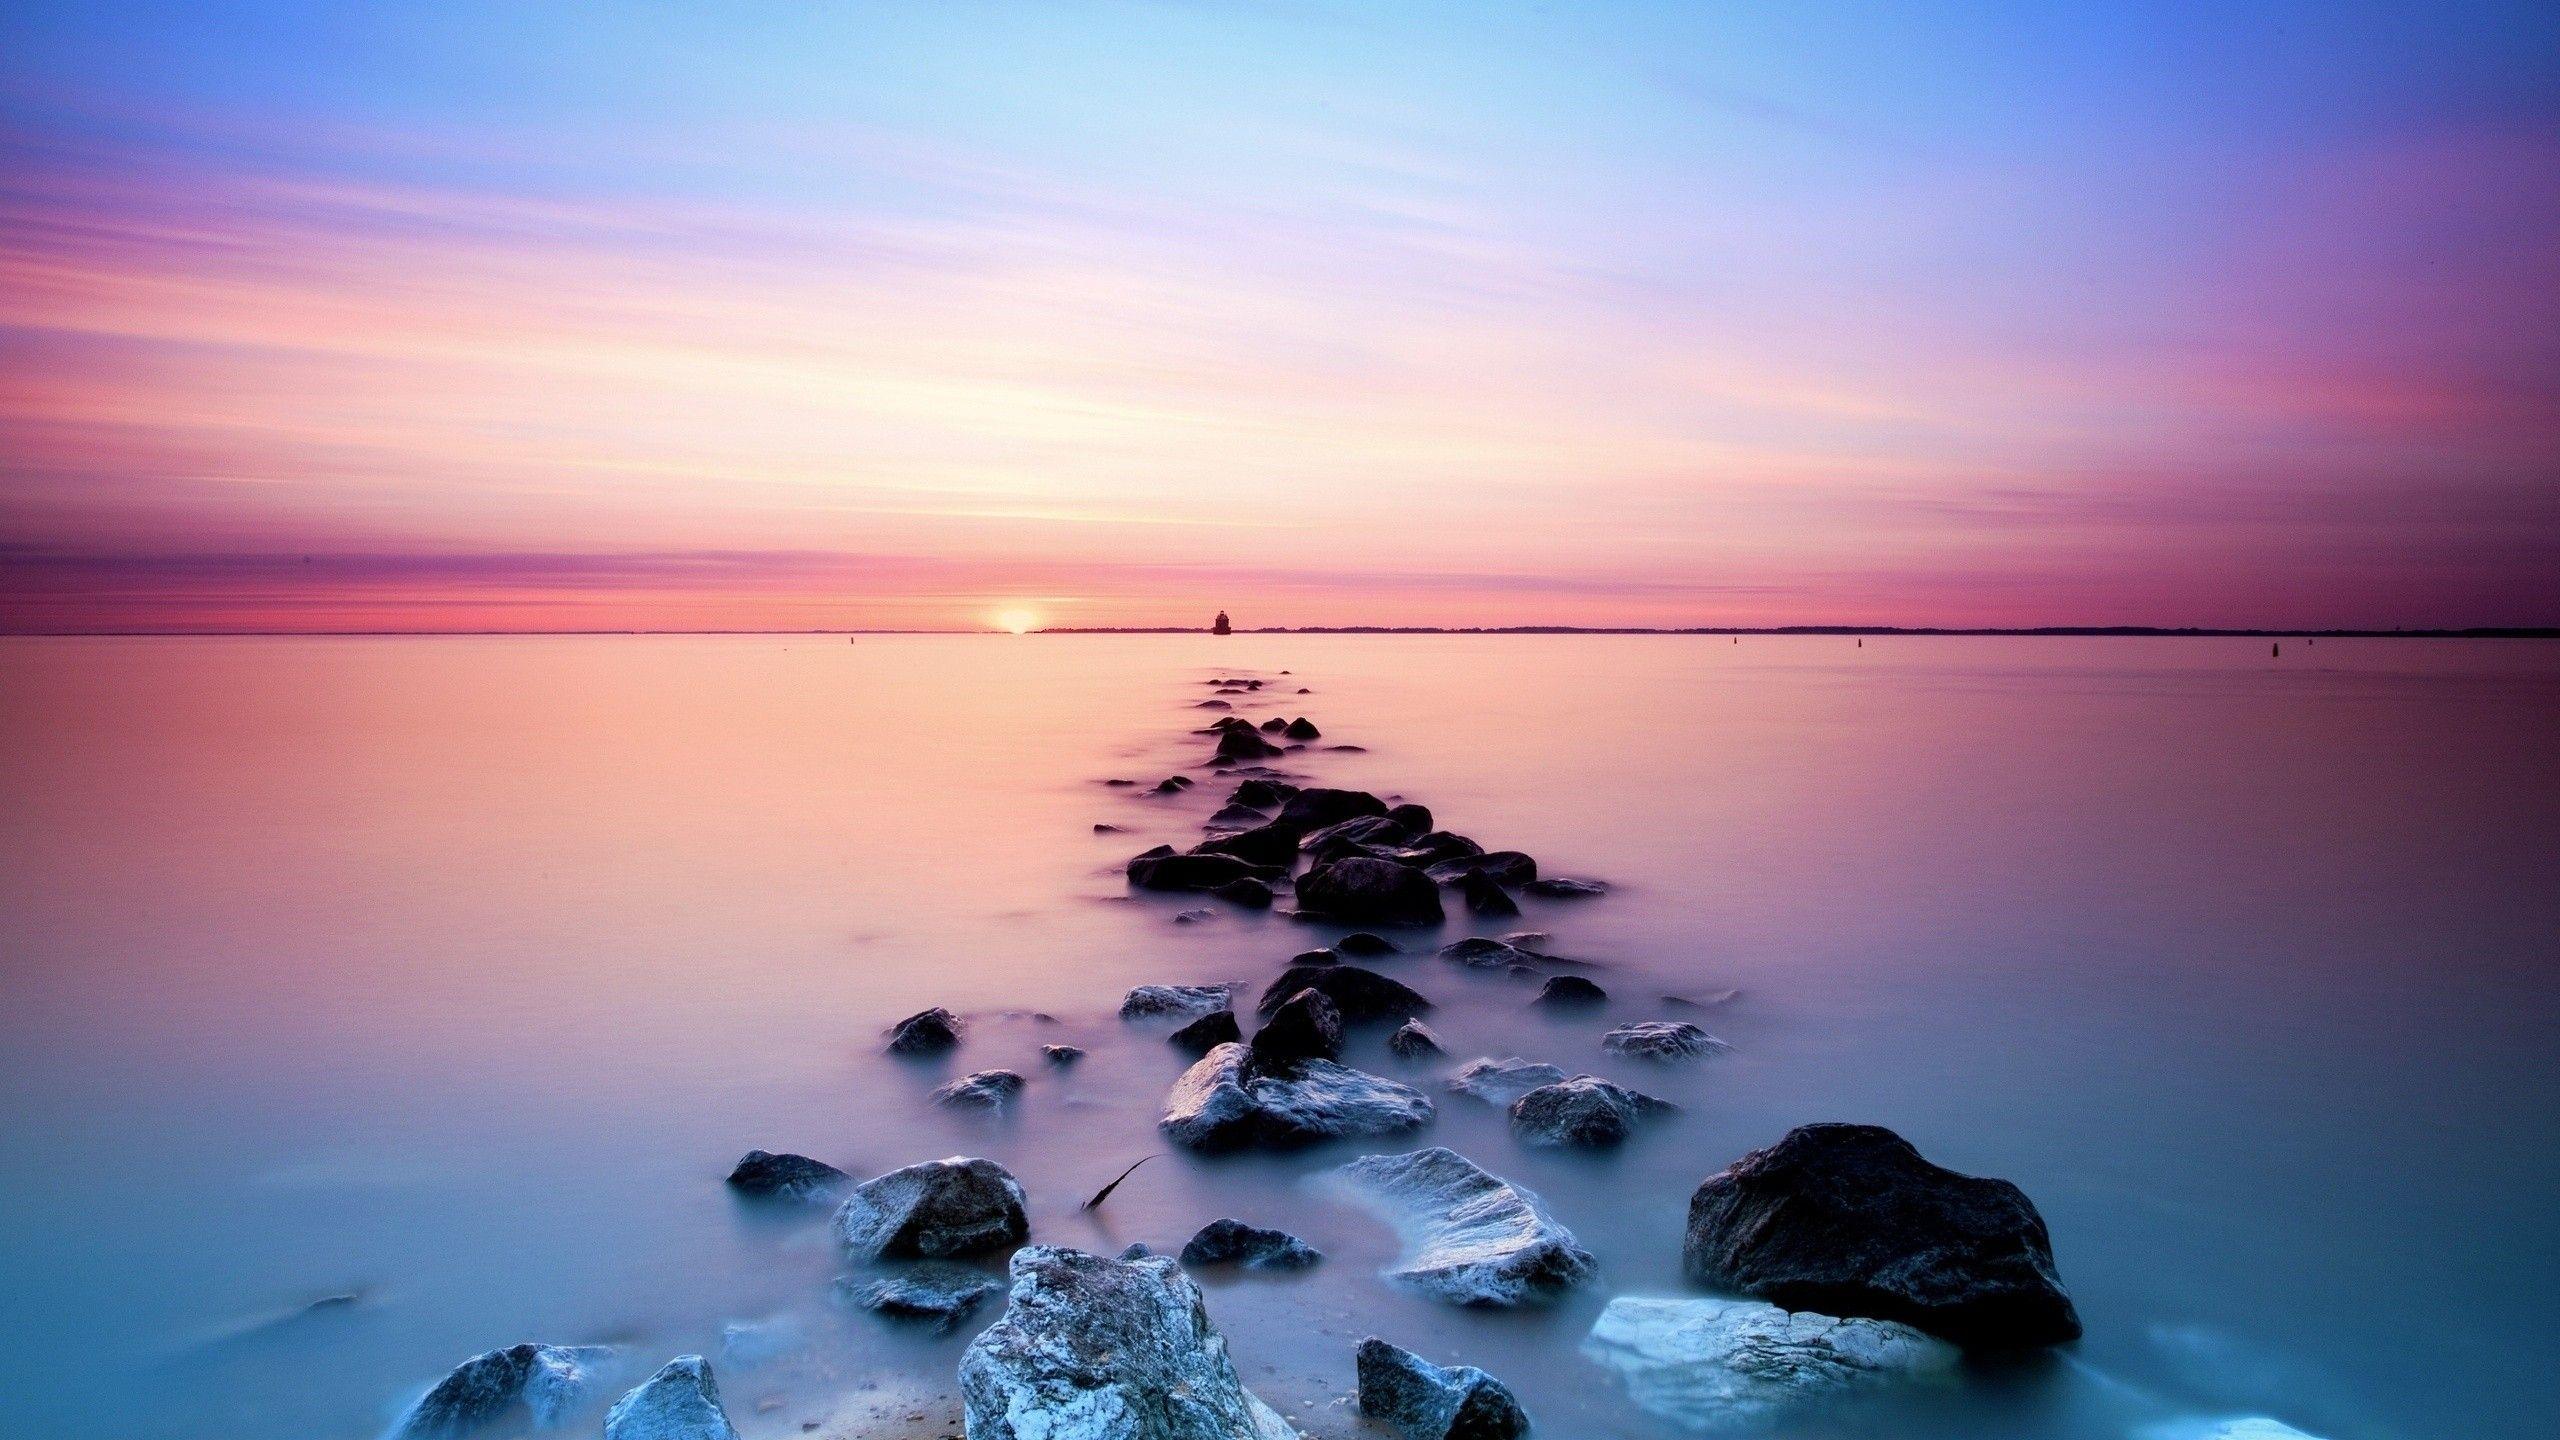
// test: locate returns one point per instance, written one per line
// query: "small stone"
(1661, 1040)
(940, 1295)
(927, 1032)
(1570, 990)
(786, 1177)
(1061, 1054)
(982, 1090)
(1233, 1242)
(1558, 887)
(1413, 1040)
(1149, 1002)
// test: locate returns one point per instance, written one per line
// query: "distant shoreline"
(2480, 632)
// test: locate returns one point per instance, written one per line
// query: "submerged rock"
(1274, 725)
(680, 1402)
(927, 1032)
(1271, 846)
(1661, 1040)
(1850, 1220)
(1423, 1401)
(1314, 809)
(983, 1090)
(1262, 794)
(1153, 1002)
(1366, 890)
(1251, 893)
(1207, 1033)
(1433, 846)
(1162, 869)
(1233, 1242)
(1062, 1054)
(536, 1384)
(1306, 1026)
(1471, 1238)
(1478, 953)
(1302, 729)
(1558, 887)
(1173, 785)
(1413, 1040)
(786, 1177)
(1416, 818)
(1237, 817)
(1359, 994)
(1226, 1101)
(939, 1295)
(1485, 896)
(934, 1210)
(1586, 1111)
(1245, 745)
(1708, 1364)
(1315, 957)
(1211, 704)
(1570, 990)
(1500, 1082)
(1507, 866)
(1364, 943)
(1098, 1349)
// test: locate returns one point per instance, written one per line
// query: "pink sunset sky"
(819, 317)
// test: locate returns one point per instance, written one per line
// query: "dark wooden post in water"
(1222, 627)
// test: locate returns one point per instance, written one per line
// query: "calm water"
(454, 973)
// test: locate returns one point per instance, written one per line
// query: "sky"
(838, 315)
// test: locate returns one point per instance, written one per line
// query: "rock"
(1359, 994)
(1314, 809)
(927, 1032)
(1135, 1250)
(1305, 1027)
(1361, 942)
(1714, 1364)
(1570, 990)
(680, 1402)
(1172, 785)
(1849, 1220)
(1237, 817)
(1153, 1002)
(1586, 1111)
(1413, 1040)
(1712, 1000)
(1558, 887)
(1245, 745)
(1225, 1101)
(1207, 1033)
(1370, 891)
(1302, 729)
(1471, 1238)
(934, 1210)
(1211, 704)
(1062, 1054)
(1433, 846)
(1233, 1242)
(1262, 794)
(1275, 725)
(1416, 818)
(1116, 782)
(786, 1177)
(1101, 828)
(539, 1384)
(1510, 867)
(1194, 917)
(1422, 1401)
(1161, 869)
(1251, 893)
(1315, 957)
(983, 1090)
(1500, 1082)
(1478, 953)
(1485, 896)
(939, 1295)
(1661, 1040)
(1303, 690)
(1347, 836)
(1098, 1349)
(1275, 846)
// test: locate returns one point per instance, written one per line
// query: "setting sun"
(1020, 622)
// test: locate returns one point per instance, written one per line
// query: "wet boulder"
(1233, 1242)
(763, 1174)
(1500, 1082)
(1569, 991)
(1349, 837)
(1236, 817)
(1413, 1040)
(1485, 896)
(1661, 1040)
(1092, 1348)
(1423, 1401)
(680, 1402)
(1207, 1033)
(1314, 809)
(934, 1210)
(1302, 729)
(1245, 745)
(1267, 845)
(1416, 818)
(1704, 1364)
(1158, 1002)
(1263, 794)
(1251, 893)
(1306, 1026)
(1357, 993)
(1275, 725)
(1509, 867)
(983, 1090)
(1850, 1220)
(927, 1032)
(1370, 891)
(1433, 846)
(1559, 887)
(1173, 785)
(1162, 869)
(1062, 1055)
(1212, 703)
(1226, 1101)
(540, 1385)
(938, 1295)
(1476, 952)
(1318, 956)
(1470, 1237)
(1363, 943)
(1585, 1111)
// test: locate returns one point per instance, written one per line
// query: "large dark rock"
(1510, 867)
(1226, 1101)
(1207, 1033)
(939, 1295)
(1585, 1111)
(1485, 896)
(1249, 892)
(1416, 818)
(1245, 745)
(1363, 943)
(1423, 1401)
(680, 1402)
(1570, 990)
(1274, 725)
(1433, 846)
(1368, 891)
(1359, 994)
(1092, 1348)
(927, 1032)
(941, 1208)
(1354, 835)
(1236, 817)
(1850, 1220)
(1197, 871)
(1305, 1027)
(1263, 794)
(539, 1384)
(1313, 809)
(1233, 1242)
(1302, 729)
(786, 1177)
(1471, 1238)
(1271, 845)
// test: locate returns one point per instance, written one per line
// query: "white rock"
(1471, 1238)
(1226, 1100)
(1707, 1364)
(680, 1402)
(1182, 1002)
(1499, 1082)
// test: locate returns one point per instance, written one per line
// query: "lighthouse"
(1221, 627)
